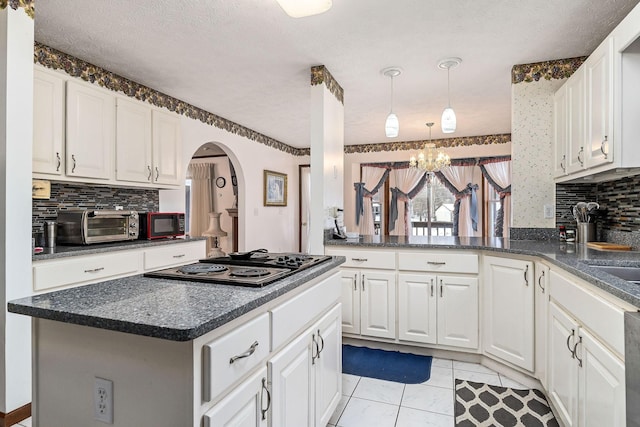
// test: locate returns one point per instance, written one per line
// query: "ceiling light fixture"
(302, 8)
(434, 160)
(448, 121)
(392, 125)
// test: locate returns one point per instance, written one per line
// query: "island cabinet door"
(457, 311)
(378, 303)
(328, 366)
(246, 406)
(417, 308)
(350, 301)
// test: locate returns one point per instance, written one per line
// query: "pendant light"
(302, 8)
(448, 121)
(392, 125)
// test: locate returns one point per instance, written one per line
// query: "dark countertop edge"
(612, 285)
(72, 251)
(175, 334)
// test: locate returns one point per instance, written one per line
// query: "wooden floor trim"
(15, 416)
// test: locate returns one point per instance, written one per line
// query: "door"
(599, 105)
(167, 147)
(48, 123)
(458, 311)
(417, 308)
(575, 124)
(90, 132)
(350, 301)
(305, 203)
(508, 315)
(377, 303)
(328, 366)
(560, 132)
(541, 312)
(602, 385)
(291, 380)
(562, 367)
(133, 141)
(245, 406)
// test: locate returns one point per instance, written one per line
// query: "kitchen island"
(167, 347)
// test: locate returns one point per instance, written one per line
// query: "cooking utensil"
(582, 211)
(246, 255)
(592, 206)
(576, 215)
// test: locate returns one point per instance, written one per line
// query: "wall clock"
(220, 182)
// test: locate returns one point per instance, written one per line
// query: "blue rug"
(385, 365)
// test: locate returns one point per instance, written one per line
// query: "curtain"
(372, 178)
(201, 203)
(498, 174)
(459, 180)
(409, 182)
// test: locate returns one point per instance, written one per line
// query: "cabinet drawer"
(439, 262)
(226, 359)
(295, 314)
(83, 270)
(600, 316)
(366, 259)
(176, 254)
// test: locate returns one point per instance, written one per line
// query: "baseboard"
(15, 416)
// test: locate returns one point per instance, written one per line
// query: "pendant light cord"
(391, 111)
(448, 88)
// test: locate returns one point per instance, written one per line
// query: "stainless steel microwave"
(84, 227)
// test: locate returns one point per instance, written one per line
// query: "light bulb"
(448, 120)
(392, 126)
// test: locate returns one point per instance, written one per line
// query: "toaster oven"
(84, 227)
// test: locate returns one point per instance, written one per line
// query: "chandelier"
(430, 159)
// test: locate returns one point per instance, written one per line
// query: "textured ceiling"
(247, 61)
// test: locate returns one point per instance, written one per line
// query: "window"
(492, 201)
(433, 204)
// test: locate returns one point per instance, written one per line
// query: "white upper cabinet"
(575, 121)
(90, 131)
(133, 141)
(599, 118)
(167, 148)
(48, 122)
(560, 133)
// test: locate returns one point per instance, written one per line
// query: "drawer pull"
(73, 158)
(359, 259)
(573, 355)
(432, 287)
(94, 270)
(363, 283)
(355, 282)
(179, 256)
(602, 144)
(264, 388)
(540, 279)
(157, 174)
(436, 262)
(441, 288)
(247, 353)
(59, 162)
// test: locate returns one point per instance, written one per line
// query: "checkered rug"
(483, 405)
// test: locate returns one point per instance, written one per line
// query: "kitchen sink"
(630, 274)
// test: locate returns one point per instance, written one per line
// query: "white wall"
(532, 159)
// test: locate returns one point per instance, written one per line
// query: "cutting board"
(605, 246)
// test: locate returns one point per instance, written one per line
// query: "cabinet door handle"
(575, 351)
(573, 355)
(540, 280)
(441, 288)
(179, 256)
(73, 159)
(526, 279)
(149, 176)
(363, 283)
(355, 282)
(564, 168)
(59, 162)
(321, 344)
(359, 259)
(94, 270)
(315, 344)
(265, 389)
(436, 262)
(247, 353)
(602, 145)
(579, 157)
(432, 287)
(157, 173)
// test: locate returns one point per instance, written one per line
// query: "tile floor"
(24, 423)
(375, 403)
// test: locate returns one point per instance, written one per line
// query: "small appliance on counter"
(84, 227)
(161, 225)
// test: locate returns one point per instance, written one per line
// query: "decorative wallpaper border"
(554, 69)
(28, 6)
(320, 74)
(440, 143)
(55, 59)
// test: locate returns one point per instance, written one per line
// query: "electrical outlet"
(103, 400)
(548, 211)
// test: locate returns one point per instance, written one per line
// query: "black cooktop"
(293, 261)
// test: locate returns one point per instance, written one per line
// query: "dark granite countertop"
(575, 258)
(61, 251)
(168, 309)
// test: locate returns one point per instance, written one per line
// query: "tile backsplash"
(72, 195)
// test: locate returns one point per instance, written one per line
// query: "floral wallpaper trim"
(320, 74)
(52, 58)
(28, 6)
(554, 69)
(440, 143)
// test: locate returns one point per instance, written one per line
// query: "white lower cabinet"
(245, 406)
(541, 310)
(306, 376)
(438, 309)
(586, 380)
(369, 302)
(508, 326)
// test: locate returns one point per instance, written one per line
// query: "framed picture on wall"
(275, 188)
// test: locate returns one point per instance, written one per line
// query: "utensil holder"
(586, 232)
